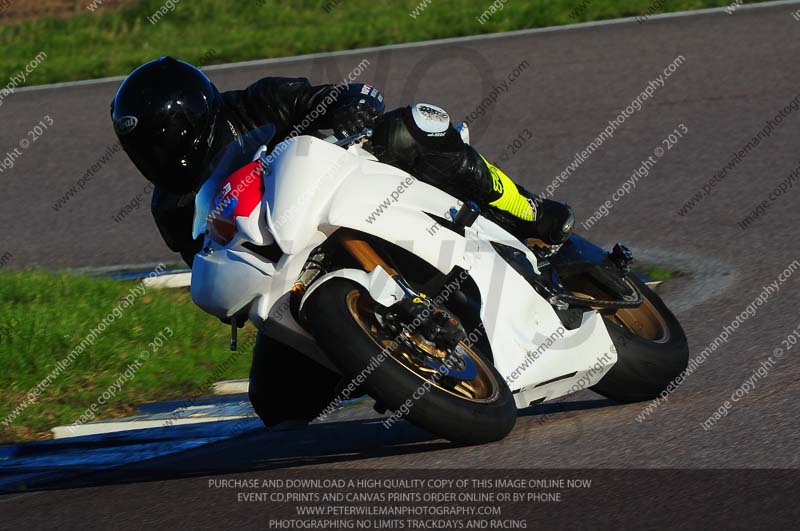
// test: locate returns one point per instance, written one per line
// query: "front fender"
(381, 287)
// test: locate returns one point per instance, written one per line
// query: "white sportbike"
(426, 304)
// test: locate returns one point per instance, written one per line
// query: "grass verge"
(659, 273)
(44, 318)
(98, 44)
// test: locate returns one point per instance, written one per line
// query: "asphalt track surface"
(740, 70)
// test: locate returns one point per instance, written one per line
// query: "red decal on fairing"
(238, 195)
(246, 187)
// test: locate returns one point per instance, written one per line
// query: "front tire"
(651, 350)
(338, 314)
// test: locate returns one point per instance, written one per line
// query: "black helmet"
(164, 114)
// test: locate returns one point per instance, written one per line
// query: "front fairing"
(236, 155)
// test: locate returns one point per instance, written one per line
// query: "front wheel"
(397, 370)
(651, 349)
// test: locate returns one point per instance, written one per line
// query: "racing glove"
(358, 111)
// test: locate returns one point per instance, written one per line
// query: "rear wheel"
(469, 404)
(651, 349)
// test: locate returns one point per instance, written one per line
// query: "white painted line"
(64, 432)
(120, 268)
(169, 280)
(231, 387)
(435, 42)
(68, 84)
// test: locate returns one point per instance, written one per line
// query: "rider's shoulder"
(163, 200)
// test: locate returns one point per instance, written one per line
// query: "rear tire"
(391, 383)
(651, 350)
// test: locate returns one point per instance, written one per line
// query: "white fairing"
(315, 187)
(227, 280)
(299, 187)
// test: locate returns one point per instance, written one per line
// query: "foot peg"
(558, 304)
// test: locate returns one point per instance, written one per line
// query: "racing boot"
(529, 216)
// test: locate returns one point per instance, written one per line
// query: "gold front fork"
(365, 254)
(358, 248)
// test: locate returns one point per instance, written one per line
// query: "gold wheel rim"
(644, 321)
(481, 389)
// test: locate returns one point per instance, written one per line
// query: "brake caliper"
(421, 316)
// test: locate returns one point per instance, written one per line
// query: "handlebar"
(351, 139)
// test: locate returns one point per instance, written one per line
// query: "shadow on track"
(257, 450)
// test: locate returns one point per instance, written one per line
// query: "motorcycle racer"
(173, 122)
